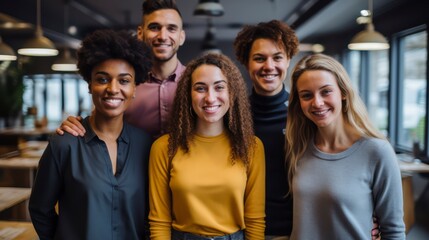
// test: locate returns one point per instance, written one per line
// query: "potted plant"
(11, 91)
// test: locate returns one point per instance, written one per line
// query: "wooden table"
(27, 131)
(17, 230)
(10, 196)
(25, 163)
(408, 164)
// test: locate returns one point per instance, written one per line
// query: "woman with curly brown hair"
(207, 176)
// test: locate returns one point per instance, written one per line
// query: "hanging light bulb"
(39, 45)
(210, 8)
(6, 52)
(369, 39)
(65, 62)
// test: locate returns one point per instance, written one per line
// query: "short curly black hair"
(102, 45)
(275, 30)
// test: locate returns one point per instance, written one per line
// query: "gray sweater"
(336, 195)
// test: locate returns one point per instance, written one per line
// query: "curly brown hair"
(275, 30)
(238, 119)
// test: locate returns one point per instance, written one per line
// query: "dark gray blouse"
(93, 203)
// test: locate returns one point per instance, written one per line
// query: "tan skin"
(162, 30)
(210, 99)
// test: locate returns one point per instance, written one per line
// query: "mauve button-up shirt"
(93, 202)
(153, 103)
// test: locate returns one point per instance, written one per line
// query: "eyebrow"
(324, 86)
(121, 74)
(173, 25)
(276, 53)
(216, 82)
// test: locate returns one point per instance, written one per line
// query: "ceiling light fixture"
(39, 45)
(368, 39)
(65, 62)
(9, 23)
(6, 52)
(209, 42)
(210, 8)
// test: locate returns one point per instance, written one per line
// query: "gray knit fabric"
(335, 195)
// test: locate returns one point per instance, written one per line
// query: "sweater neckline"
(210, 139)
(336, 156)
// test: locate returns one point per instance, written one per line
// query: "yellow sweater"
(203, 193)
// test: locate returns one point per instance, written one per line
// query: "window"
(55, 96)
(369, 73)
(412, 88)
(378, 87)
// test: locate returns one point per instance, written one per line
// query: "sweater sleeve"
(254, 199)
(387, 194)
(160, 218)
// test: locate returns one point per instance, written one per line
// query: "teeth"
(113, 100)
(211, 108)
(269, 77)
(320, 112)
(162, 45)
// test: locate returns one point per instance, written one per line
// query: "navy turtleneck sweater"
(269, 116)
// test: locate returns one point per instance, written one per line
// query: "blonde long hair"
(300, 130)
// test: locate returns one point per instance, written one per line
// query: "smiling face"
(210, 96)
(162, 31)
(320, 98)
(112, 87)
(267, 67)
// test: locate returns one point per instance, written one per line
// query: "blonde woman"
(342, 171)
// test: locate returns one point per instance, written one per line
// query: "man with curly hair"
(265, 50)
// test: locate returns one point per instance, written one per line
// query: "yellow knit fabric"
(203, 193)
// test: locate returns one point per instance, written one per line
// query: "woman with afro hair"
(98, 180)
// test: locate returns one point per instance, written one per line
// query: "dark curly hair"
(150, 6)
(102, 45)
(275, 30)
(238, 119)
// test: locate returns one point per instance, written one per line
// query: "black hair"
(102, 45)
(150, 6)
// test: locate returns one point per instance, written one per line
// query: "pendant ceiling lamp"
(209, 8)
(65, 62)
(369, 39)
(8, 23)
(209, 42)
(38, 45)
(6, 52)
